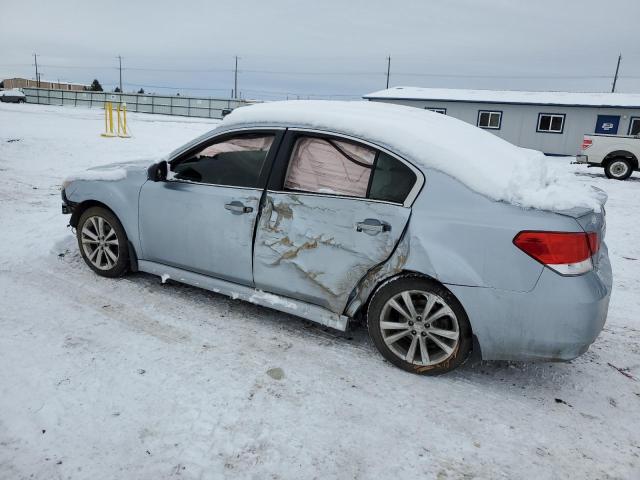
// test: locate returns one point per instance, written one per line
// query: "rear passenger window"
(339, 167)
(236, 162)
(326, 165)
(392, 180)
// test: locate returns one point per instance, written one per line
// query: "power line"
(333, 73)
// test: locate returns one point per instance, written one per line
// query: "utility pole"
(388, 69)
(615, 77)
(235, 80)
(120, 68)
(35, 58)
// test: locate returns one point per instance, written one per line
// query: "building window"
(551, 122)
(437, 110)
(634, 126)
(489, 119)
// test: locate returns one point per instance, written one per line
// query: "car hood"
(111, 172)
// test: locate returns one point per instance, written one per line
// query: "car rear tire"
(419, 325)
(103, 242)
(618, 168)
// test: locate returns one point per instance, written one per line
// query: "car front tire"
(103, 242)
(419, 326)
(618, 169)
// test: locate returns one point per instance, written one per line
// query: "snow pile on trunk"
(485, 163)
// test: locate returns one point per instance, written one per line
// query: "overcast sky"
(328, 48)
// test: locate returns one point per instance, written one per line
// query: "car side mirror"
(157, 172)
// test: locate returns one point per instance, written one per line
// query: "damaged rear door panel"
(332, 213)
(310, 247)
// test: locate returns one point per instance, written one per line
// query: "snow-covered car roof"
(591, 99)
(482, 161)
(11, 93)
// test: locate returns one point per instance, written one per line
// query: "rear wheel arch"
(410, 283)
(621, 154)
(403, 274)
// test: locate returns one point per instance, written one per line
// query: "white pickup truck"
(617, 154)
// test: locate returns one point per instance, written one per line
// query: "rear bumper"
(584, 160)
(558, 320)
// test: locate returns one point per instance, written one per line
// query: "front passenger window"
(236, 162)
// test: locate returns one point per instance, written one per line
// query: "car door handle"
(238, 208)
(372, 226)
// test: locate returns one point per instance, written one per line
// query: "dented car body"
(314, 251)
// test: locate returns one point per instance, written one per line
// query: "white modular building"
(553, 122)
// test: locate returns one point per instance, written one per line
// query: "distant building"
(553, 122)
(10, 83)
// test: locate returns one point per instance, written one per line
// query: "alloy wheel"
(100, 243)
(419, 327)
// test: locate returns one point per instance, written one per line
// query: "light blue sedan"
(333, 220)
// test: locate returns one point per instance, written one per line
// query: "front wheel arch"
(87, 204)
(82, 207)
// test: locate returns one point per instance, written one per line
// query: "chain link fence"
(178, 105)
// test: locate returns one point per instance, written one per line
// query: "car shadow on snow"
(512, 375)
(209, 307)
(632, 178)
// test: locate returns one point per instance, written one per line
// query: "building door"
(608, 124)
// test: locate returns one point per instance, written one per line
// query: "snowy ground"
(130, 378)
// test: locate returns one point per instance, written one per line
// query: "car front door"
(202, 218)
(334, 209)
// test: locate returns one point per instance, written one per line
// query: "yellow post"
(108, 120)
(106, 127)
(119, 122)
(122, 121)
(111, 118)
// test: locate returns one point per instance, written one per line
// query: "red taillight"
(586, 143)
(594, 242)
(565, 252)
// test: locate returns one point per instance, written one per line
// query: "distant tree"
(117, 89)
(141, 91)
(95, 86)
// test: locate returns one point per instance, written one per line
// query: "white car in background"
(617, 154)
(12, 96)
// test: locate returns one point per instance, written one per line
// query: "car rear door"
(321, 228)
(203, 219)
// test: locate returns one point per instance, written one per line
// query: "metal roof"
(580, 99)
